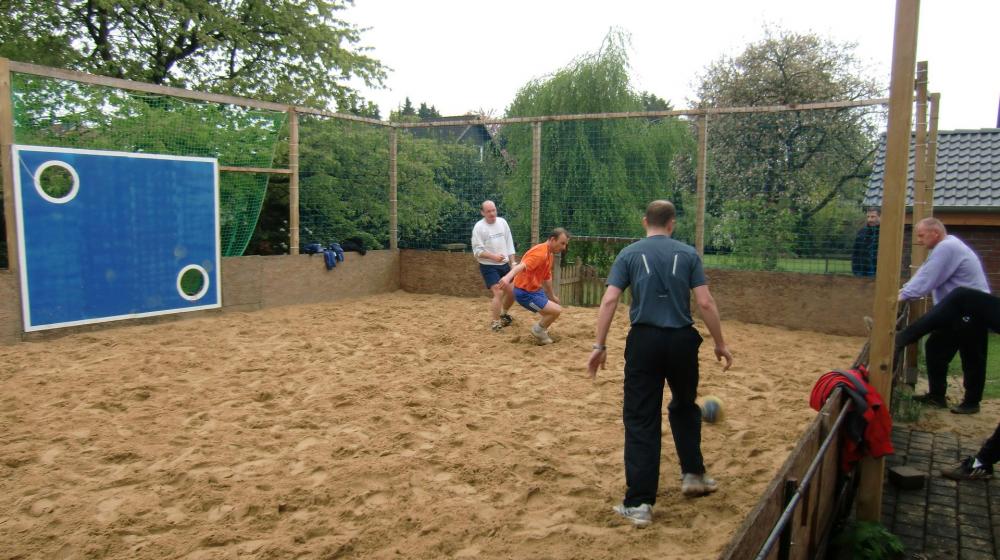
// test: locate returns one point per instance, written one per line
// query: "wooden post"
(932, 145)
(557, 273)
(918, 253)
(890, 247)
(536, 180)
(7, 166)
(699, 224)
(393, 188)
(293, 182)
(785, 542)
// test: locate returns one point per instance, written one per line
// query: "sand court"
(394, 426)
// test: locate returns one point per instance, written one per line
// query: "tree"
(597, 175)
(425, 112)
(291, 51)
(781, 170)
(407, 109)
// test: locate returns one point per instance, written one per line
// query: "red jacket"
(868, 427)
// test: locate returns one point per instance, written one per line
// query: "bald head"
(930, 232)
(660, 213)
(489, 211)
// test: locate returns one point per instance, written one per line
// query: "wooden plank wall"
(814, 513)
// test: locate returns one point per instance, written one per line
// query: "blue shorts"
(492, 273)
(532, 301)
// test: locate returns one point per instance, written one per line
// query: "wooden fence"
(795, 516)
(580, 285)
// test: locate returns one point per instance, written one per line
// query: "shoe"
(506, 320)
(640, 515)
(965, 408)
(932, 400)
(496, 326)
(541, 334)
(966, 470)
(698, 485)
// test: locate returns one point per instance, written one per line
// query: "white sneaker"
(698, 485)
(496, 326)
(541, 334)
(640, 515)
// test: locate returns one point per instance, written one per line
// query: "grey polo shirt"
(661, 273)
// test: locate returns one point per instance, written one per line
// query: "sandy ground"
(972, 428)
(385, 427)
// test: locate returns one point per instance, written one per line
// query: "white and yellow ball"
(711, 409)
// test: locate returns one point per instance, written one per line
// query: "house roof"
(967, 175)
(476, 133)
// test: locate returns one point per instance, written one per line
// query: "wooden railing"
(579, 285)
(795, 515)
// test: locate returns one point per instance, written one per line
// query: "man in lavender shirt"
(951, 264)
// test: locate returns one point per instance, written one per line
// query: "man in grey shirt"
(951, 264)
(662, 345)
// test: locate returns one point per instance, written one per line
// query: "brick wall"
(821, 303)
(984, 240)
(248, 283)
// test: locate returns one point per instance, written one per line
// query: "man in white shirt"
(493, 247)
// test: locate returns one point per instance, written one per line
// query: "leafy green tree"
(425, 112)
(782, 169)
(292, 51)
(407, 109)
(652, 102)
(597, 175)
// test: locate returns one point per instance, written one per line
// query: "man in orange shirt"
(532, 279)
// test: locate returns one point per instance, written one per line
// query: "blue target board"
(124, 235)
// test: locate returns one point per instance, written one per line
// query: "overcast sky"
(468, 55)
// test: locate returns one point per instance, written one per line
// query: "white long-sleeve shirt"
(492, 238)
(951, 264)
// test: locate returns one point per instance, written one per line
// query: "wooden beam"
(293, 182)
(655, 114)
(265, 170)
(699, 224)
(932, 146)
(7, 166)
(918, 253)
(393, 191)
(890, 249)
(84, 78)
(536, 180)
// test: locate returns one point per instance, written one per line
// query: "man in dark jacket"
(865, 252)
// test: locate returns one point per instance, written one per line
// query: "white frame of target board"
(16, 149)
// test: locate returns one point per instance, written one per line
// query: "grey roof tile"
(967, 175)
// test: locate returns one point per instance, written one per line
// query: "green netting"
(57, 113)
(343, 182)
(445, 174)
(784, 189)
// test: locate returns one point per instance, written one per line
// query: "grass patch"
(817, 266)
(992, 389)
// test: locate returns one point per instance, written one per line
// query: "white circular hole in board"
(59, 199)
(204, 282)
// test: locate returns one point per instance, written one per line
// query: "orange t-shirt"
(537, 268)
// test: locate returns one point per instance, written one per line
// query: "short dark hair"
(556, 232)
(875, 209)
(660, 212)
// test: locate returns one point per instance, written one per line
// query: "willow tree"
(596, 175)
(774, 175)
